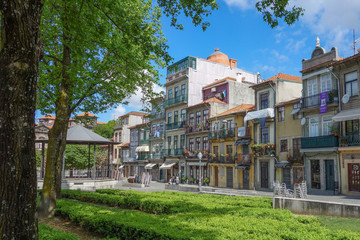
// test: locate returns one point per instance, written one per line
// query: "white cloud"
(134, 102)
(118, 111)
(279, 57)
(242, 4)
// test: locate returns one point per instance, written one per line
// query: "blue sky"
(240, 32)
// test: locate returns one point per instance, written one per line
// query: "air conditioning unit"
(213, 89)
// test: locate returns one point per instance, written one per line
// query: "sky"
(239, 31)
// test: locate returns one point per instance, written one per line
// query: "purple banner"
(323, 102)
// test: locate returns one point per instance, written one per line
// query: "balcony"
(143, 156)
(198, 128)
(175, 100)
(157, 116)
(244, 132)
(350, 139)
(222, 158)
(144, 141)
(175, 125)
(213, 135)
(156, 136)
(244, 159)
(227, 133)
(263, 149)
(176, 76)
(319, 142)
(295, 158)
(314, 101)
(174, 152)
(157, 155)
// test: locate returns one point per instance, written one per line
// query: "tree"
(19, 61)
(105, 130)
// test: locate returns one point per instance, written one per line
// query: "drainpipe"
(274, 126)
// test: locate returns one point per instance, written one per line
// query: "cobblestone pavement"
(157, 186)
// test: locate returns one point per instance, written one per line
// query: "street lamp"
(200, 155)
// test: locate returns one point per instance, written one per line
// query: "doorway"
(329, 174)
(216, 173)
(246, 179)
(264, 174)
(354, 177)
(229, 177)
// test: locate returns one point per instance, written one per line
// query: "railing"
(227, 133)
(157, 115)
(350, 139)
(156, 136)
(177, 75)
(320, 141)
(157, 155)
(175, 100)
(314, 101)
(222, 158)
(247, 133)
(295, 157)
(242, 158)
(143, 156)
(191, 129)
(263, 149)
(175, 125)
(174, 152)
(213, 135)
(84, 173)
(144, 141)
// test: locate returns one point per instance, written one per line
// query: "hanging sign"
(323, 102)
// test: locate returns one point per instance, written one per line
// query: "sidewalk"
(156, 186)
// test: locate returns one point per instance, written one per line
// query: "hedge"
(49, 233)
(233, 218)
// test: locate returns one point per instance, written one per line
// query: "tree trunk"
(19, 62)
(57, 134)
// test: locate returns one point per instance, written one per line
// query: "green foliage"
(38, 158)
(105, 130)
(189, 216)
(272, 10)
(49, 233)
(76, 156)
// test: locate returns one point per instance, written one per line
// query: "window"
(312, 87)
(119, 137)
(198, 117)
(116, 137)
(229, 150)
(176, 142)
(116, 155)
(198, 143)
(296, 147)
(326, 124)
(183, 115)
(264, 135)
(352, 127)
(191, 144)
(283, 145)
(169, 142)
(176, 91)
(205, 144)
(183, 89)
(170, 94)
(182, 141)
(205, 115)
(264, 100)
(127, 121)
(191, 119)
(281, 113)
(314, 127)
(315, 174)
(230, 124)
(215, 150)
(245, 149)
(176, 116)
(169, 117)
(351, 84)
(153, 129)
(325, 81)
(297, 115)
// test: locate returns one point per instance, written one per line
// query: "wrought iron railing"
(174, 152)
(350, 139)
(314, 100)
(175, 100)
(175, 125)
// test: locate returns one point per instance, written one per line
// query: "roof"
(124, 145)
(86, 114)
(317, 65)
(137, 125)
(213, 99)
(342, 60)
(100, 122)
(82, 135)
(219, 81)
(295, 100)
(51, 117)
(240, 108)
(280, 76)
(134, 113)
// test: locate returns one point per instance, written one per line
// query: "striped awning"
(150, 165)
(166, 165)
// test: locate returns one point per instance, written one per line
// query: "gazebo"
(81, 136)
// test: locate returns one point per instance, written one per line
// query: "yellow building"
(229, 161)
(289, 167)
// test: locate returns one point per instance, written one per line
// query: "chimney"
(233, 62)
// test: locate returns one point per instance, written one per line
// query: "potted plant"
(206, 181)
(192, 180)
(184, 179)
(334, 129)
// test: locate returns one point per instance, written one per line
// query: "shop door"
(246, 179)
(264, 172)
(216, 176)
(287, 177)
(329, 174)
(354, 177)
(229, 177)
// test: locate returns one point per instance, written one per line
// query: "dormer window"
(264, 101)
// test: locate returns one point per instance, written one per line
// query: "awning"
(263, 113)
(122, 166)
(150, 165)
(295, 111)
(144, 148)
(282, 164)
(166, 165)
(241, 167)
(346, 115)
(240, 142)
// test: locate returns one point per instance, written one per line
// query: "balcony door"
(264, 173)
(312, 87)
(329, 174)
(314, 127)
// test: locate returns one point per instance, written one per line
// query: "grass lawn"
(176, 215)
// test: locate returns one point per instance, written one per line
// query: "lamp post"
(200, 155)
